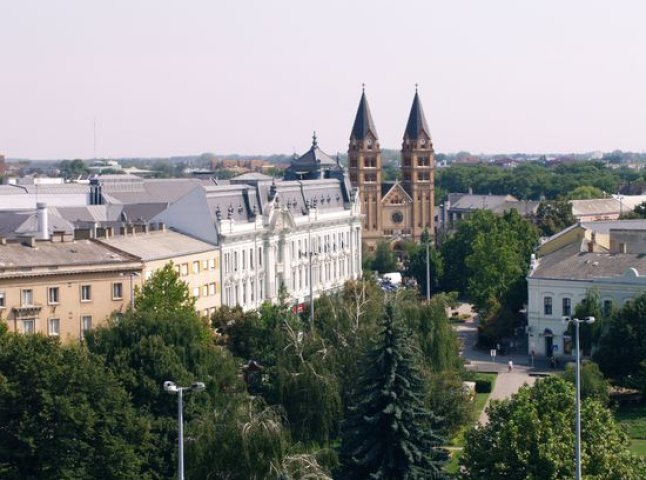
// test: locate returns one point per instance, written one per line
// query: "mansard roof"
(363, 123)
(416, 120)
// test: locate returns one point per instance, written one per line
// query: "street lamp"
(426, 239)
(577, 322)
(173, 389)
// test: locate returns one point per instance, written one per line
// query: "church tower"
(364, 158)
(418, 170)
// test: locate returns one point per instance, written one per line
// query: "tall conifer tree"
(387, 433)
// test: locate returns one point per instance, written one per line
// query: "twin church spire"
(364, 124)
(401, 209)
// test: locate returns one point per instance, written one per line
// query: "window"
(211, 288)
(117, 291)
(196, 267)
(235, 261)
(547, 306)
(205, 264)
(251, 264)
(244, 260)
(53, 296)
(567, 307)
(205, 290)
(607, 307)
(54, 327)
(212, 264)
(27, 297)
(206, 312)
(86, 293)
(86, 323)
(260, 256)
(29, 325)
(2, 300)
(196, 292)
(184, 269)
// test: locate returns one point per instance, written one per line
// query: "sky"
(156, 78)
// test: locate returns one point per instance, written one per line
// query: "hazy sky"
(257, 76)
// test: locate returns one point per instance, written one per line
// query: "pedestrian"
(510, 365)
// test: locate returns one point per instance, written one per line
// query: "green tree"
(384, 260)
(622, 347)
(387, 433)
(531, 436)
(164, 292)
(552, 216)
(63, 415)
(151, 345)
(73, 168)
(586, 192)
(593, 383)
(589, 334)
(416, 266)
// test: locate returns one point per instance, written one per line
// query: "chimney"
(146, 228)
(122, 229)
(28, 241)
(43, 223)
(162, 227)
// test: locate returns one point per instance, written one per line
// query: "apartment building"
(63, 288)
(197, 262)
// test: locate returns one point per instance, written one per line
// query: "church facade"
(401, 209)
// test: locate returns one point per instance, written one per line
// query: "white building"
(604, 255)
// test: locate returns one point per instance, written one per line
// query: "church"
(402, 209)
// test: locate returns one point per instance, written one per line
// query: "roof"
(254, 176)
(313, 159)
(25, 222)
(604, 226)
(136, 190)
(469, 201)
(416, 120)
(570, 263)
(57, 254)
(363, 122)
(596, 206)
(158, 245)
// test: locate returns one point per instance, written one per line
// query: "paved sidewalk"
(507, 383)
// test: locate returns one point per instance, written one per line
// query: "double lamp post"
(577, 322)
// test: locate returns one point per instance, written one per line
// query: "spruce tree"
(387, 433)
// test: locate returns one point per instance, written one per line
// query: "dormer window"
(423, 141)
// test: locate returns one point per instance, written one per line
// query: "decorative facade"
(400, 209)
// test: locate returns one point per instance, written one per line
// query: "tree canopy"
(63, 415)
(531, 437)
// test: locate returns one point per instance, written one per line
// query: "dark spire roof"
(416, 120)
(363, 121)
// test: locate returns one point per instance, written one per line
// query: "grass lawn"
(633, 418)
(457, 442)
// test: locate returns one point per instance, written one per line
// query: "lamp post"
(171, 388)
(426, 239)
(577, 322)
(132, 289)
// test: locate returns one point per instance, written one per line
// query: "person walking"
(510, 365)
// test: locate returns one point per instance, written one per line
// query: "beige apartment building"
(197, 262)
(63, 288)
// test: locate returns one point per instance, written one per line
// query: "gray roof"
(488, 202)
(136, 190)
(604, 226)
(57, 254)
(597, 206)
(313, 159)
(416, 120)
(570, 263)
(253, 176)
(25, 222)
(158, 245)
(363, 121)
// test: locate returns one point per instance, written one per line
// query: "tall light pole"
(171, 388)
(426, 240)
(576, 322)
